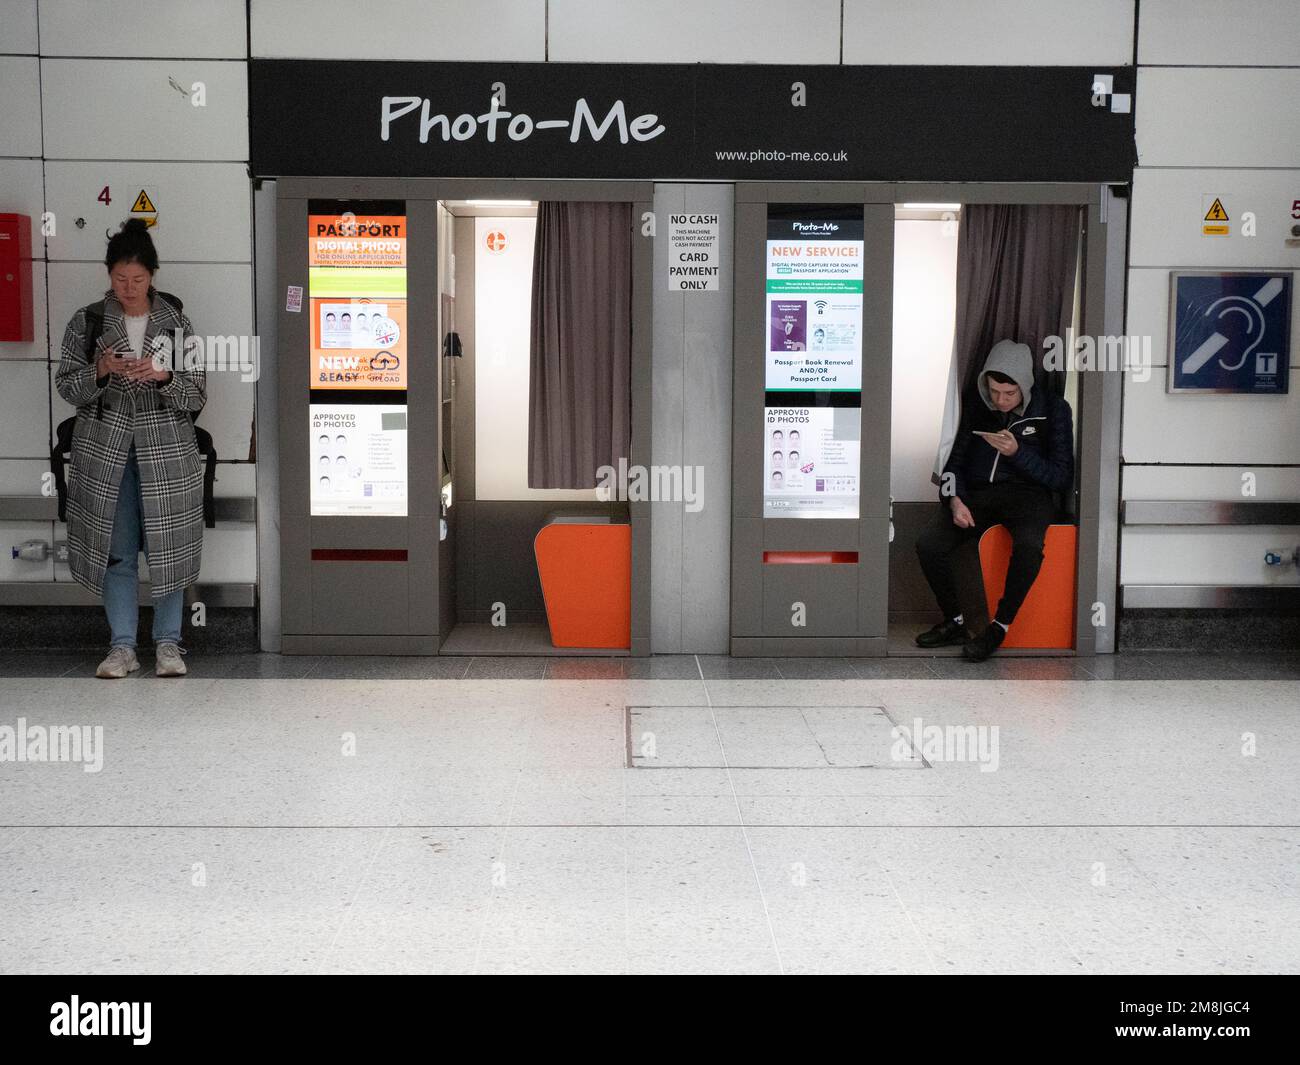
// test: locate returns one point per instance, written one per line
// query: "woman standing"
(136, 477)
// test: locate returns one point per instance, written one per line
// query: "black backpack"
(63, 434)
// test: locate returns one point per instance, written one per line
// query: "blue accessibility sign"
(1230, 332)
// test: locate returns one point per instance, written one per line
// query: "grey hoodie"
(1017, 362)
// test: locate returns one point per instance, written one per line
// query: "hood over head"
(1015, 361)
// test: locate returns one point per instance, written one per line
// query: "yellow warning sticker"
(144, 205)
(1216, 213)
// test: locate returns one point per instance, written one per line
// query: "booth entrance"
(823, 537)
(437, 542)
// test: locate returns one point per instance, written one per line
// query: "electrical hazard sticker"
(144, 205)
(1216, 220)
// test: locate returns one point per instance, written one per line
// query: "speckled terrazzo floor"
(670, 815)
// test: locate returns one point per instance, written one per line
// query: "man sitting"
(1011, 453)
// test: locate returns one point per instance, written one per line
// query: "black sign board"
(688, 121)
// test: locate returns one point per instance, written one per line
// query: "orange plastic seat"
(1046, 619)
(586, 574)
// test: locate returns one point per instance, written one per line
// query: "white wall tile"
(13, 533)
(19, 20)
(25, 411)
(695, 31)
(1148, 314)
(213, 29)
(128, 109)
(1206, 554)
(22, 477)
(1219, 32)
(502, 30)
(21, 192)
(218, 297)
(1211, 482)
(227, 415)
(204, 209)
(1167, 213)
(1236, 430)
(1010, 32)
(237, 480)
(1218, 117)
(229, 553)
(218, 300)
(20, 115)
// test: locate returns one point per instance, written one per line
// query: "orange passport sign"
(358, 343)
(356, 240)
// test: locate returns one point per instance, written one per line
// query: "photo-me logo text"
(520, 126)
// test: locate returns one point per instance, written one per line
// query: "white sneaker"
(169, 662)
(120, 662)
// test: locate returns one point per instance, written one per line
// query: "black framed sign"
(1230, 331)
(690, 121)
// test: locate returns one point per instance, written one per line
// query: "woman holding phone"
(136, 476)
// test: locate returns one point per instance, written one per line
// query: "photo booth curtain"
(579, 389)
(1015, 281)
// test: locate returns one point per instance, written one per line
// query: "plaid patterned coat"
(157, 417)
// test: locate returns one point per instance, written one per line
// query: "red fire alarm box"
(16, 277)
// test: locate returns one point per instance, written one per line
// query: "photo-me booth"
(397, 193)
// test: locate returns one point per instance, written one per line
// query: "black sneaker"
(983, 645)
(945, 634)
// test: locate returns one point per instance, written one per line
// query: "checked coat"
(156, 416)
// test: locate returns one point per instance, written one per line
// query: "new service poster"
(810, 462)
(814, 305)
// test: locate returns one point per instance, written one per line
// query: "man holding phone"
(1014, 449)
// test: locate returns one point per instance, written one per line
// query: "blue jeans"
(122, 577)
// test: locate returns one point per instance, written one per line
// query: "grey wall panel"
(828, 595)
(746, 585)
(1112, 387)
(505, 565)
(794, 534)
(692, 428)
(291, 372)
(910, 598)
(667, 444)
(642, 415)
(359, 598)
(706, 575)
(267, 408)
(463, 489)
(462, 518)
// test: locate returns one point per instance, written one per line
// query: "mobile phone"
(981, 432)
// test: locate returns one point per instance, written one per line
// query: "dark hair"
(1001, 378)
(132, 244)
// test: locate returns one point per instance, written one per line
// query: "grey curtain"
(1015, 281)
(579, 389)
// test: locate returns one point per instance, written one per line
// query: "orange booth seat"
(585, 566)
(1046, 619)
